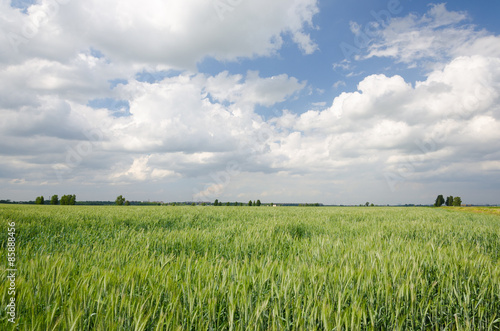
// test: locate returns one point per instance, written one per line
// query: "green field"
(252, 268)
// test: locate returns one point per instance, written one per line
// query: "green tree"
(258, 203)
(120, 200)
(367, 204)
(54, 200)
(216, 202)
(449, 200)
(250, 203)
(72, 200)
(439, 201)
(40, 200)
(457, 201)
(127, 203)
(66, 199)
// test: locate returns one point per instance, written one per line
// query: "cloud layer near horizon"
(198, 136)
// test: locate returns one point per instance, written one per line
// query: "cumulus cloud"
(410, 133)
(193, 125)
(140, 170)
(255, 90)
(188, 118)
(193, 113)
(171, 34)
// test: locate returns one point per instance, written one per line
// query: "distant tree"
(439, 201)
(449, 201)
(216, 202)
(228, 203)
(54, 200)
(367, 204)
(250, 203)
(258, 203)
(127, 203)
(40, 200)
(68, 200)
(193, 204)
(203, 204)
(120, 200)
(457, 201)
(372, 205)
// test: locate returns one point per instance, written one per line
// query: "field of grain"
(252, 268)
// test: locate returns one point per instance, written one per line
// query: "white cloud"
(411, 132)
(381, 127)
(388, 134)
(188, 132)
(437, 36)
(255, 90)
(339, 83)
(140, 170)
(177, 114)
(305, 42)
(172, 34)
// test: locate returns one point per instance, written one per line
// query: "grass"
(479, 210)
(252, 268)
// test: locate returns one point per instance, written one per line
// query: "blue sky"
(284, 101)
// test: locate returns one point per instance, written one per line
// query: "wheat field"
(252, 268)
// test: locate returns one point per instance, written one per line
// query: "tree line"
(69, 199)
(250, 203)
(449, 201)
(121, 201)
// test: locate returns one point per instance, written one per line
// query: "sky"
(336, 102)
